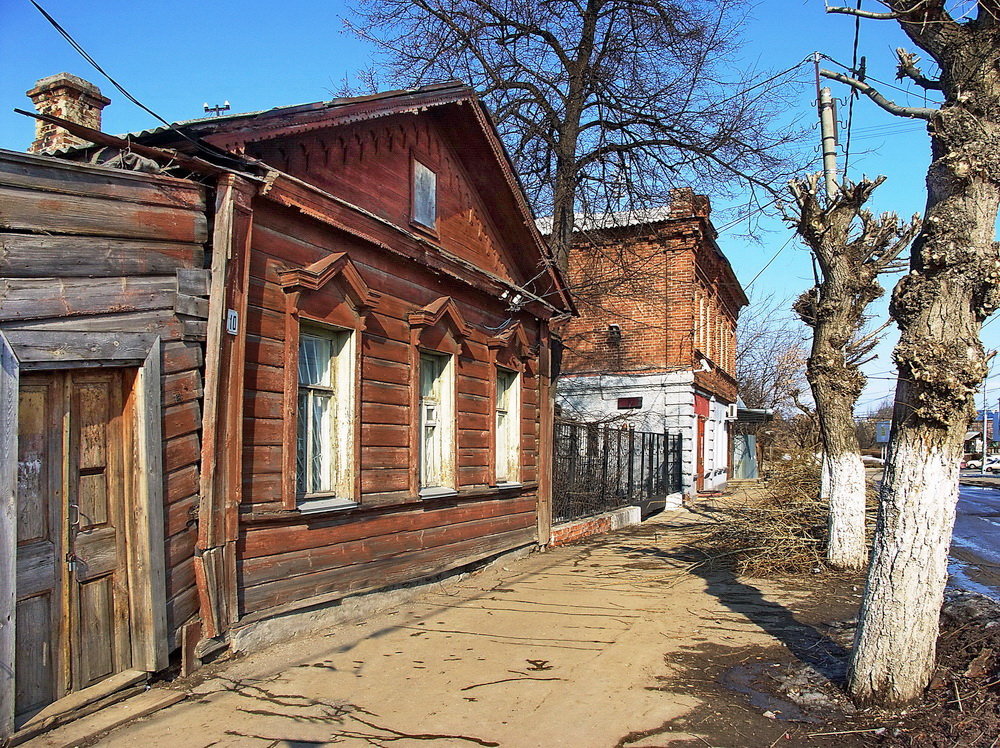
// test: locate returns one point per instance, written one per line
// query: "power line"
(86, 56)
(773, 258)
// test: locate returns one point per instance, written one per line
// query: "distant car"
(871, 461)
(992, 464)
(971, 464)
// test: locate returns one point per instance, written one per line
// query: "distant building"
(654, 346)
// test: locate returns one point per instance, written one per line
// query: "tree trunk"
(836, 386)
(852, 248)
(939, 305)
(895, 644)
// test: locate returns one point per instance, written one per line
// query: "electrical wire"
(853, 95)
(201, 145)
(768, 264)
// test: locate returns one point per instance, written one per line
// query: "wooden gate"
(75, 483)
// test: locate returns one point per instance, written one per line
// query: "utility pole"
(828, 132)
(989, 358)
(983, 468)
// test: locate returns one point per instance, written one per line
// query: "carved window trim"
(329, 293)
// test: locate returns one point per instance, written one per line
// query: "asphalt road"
(975, 545)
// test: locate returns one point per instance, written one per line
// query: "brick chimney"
(71, 98)
(684, 203)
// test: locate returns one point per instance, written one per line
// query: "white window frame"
(507, 428)
(423, 203)
(337, 487)
(436, 440)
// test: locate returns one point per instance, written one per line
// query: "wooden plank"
(163, 322)
(181, 516)
(181, 419)
(192, 306)
(181, 387)
(265, 541)
(28, 210)
(194, 281)
(259, 431)
(382, 413)
(48, 349)
(41, 298)
(264, 378)
(378, 574)
(112, 715)
(73, 178)
(180, 356)
(195, 329)
(385, 435)
(381, 480)
(181, 483)
(147, 588)
(9, 377)
(285, 566)
(42, 256)
(182, 451)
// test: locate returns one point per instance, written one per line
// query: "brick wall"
(673, 297)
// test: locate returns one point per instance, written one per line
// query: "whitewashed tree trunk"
(846, 546)
(895, 642)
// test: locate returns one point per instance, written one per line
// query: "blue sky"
(175, 56)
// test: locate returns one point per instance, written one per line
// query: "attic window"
(424, 195)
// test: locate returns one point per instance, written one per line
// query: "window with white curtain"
(437, 424)
(508, 433)
(325, 444)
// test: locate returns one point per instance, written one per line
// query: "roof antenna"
(217, 110)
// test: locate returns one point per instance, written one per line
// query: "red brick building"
(655, 343)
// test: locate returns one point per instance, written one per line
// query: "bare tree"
(770, 356)
(604, 104)
(852, 248)
(940, 306)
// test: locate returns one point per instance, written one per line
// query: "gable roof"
(473, 127)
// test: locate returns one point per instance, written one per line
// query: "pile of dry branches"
(779, 529)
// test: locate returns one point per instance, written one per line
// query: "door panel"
(38, 661)
(72, 610)
(96, 659)
(35, 685)
(98, 584)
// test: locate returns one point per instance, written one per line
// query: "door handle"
(74, 516)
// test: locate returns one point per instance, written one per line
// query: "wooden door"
(700, 451)
(72, 623)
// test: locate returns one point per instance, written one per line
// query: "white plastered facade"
(668, 405)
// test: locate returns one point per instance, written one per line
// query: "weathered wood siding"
(88, 254)
(368, 164)
(285, 557)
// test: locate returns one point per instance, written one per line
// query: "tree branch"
(908, 69)
(862, 13)
(925, 113)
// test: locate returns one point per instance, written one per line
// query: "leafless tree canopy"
(770, 357)
(604, 104)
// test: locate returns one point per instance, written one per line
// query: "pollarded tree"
(852, 249)
(939, 306)
(604, 104)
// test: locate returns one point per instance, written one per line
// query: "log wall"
(88, 254)
(286, 558)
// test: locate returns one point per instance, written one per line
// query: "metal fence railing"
(596, 469)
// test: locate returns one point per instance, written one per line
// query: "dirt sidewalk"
(615, 641)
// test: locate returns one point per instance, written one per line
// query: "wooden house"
(372, 396)
(102, 316)
(388, 399)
